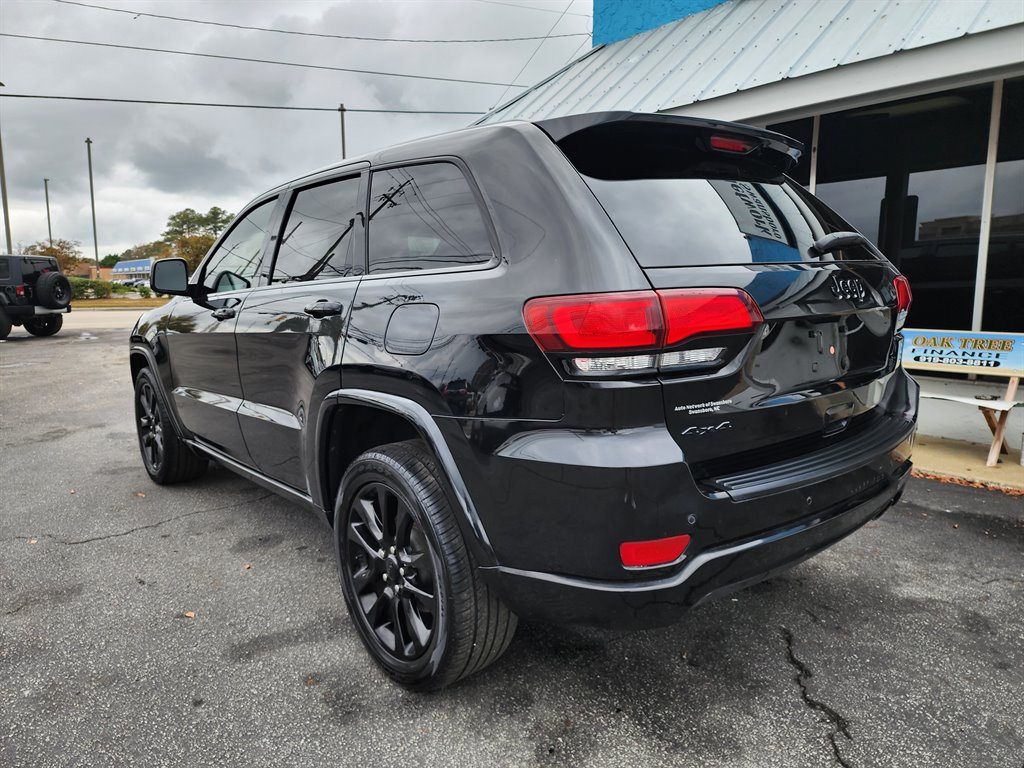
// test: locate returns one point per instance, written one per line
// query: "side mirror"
(169, 276)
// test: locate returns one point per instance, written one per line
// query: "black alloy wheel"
(391, 571)
(409, 579)
(167, 457)
(150, 426)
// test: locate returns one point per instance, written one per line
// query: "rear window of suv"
(677, 202)
(678, 222)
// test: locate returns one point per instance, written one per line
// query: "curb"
(1009, 490)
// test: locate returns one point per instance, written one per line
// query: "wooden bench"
(987, 354)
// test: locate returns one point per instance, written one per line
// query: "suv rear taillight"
(19, 290)
(903, 299)
(602, 334)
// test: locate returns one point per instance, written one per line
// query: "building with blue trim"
(131, 270)
(911, 115)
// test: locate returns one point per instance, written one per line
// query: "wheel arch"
(354, 421)
(141, 356)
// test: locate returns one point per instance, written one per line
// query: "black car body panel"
(800, 433)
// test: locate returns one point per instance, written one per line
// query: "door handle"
(324, 308)
(224, 313)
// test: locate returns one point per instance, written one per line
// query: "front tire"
(410, 583)
(5, 324)
(167, 458)
(44, 325)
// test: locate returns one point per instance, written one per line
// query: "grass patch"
(117, 303)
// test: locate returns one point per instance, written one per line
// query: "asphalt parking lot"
(204, 625)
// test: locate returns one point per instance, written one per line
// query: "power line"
(532, 8)
(537, 49)
(308, 34)
(259, 61)
(235, 106)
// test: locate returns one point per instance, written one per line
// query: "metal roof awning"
(752, 47)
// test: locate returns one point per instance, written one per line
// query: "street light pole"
(92, 199)
(46, 191)
(341, 111)
(3, 196)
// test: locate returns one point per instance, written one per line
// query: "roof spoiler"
(770, 148)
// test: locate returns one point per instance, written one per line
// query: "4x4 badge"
(695, 431)
(849, 288)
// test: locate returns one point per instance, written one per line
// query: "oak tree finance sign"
(990, 354)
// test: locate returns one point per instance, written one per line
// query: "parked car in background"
(34, 293)
(595, 369)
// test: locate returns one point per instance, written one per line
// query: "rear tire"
(167, 458)
(44, 325)
(53, 290)
(5, 324)
(404, 565)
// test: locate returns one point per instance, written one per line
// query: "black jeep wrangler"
(33, 293)
(592, 369)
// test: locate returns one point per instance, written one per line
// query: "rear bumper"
(709, 574)
(25, 311)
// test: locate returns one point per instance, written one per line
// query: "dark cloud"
(179, 164)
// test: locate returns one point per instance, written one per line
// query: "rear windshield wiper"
(835, 241)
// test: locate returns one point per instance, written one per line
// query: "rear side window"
(425, 217)
(319, 235)
(5, 268)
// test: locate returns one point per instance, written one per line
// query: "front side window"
(425, 217)
(318, 238)
(233, 265)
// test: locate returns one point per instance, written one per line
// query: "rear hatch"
(705, 205)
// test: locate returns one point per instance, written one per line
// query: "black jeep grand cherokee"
(592, 369)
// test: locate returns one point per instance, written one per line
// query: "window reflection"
(425, 217)
(859, 201)
(947, 202)
(233, 265)
(317, 242)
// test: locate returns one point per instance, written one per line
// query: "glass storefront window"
(910, 174)
(859, 201)
(1004, 283)
(947, 202)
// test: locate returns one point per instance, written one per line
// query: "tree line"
(188, 235)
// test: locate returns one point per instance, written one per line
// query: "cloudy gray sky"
(150, 161)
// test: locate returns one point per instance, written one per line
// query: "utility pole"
(46, 191)
(341, 111)
(3, 196)
(92, 199)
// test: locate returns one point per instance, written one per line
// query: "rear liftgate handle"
(323, 308)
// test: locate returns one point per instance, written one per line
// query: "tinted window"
(317, 241)
(685, 222)
(425, 217)
(234, 263)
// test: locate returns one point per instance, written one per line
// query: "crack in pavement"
(803, 673)
(1001, 578)
(138, 528)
